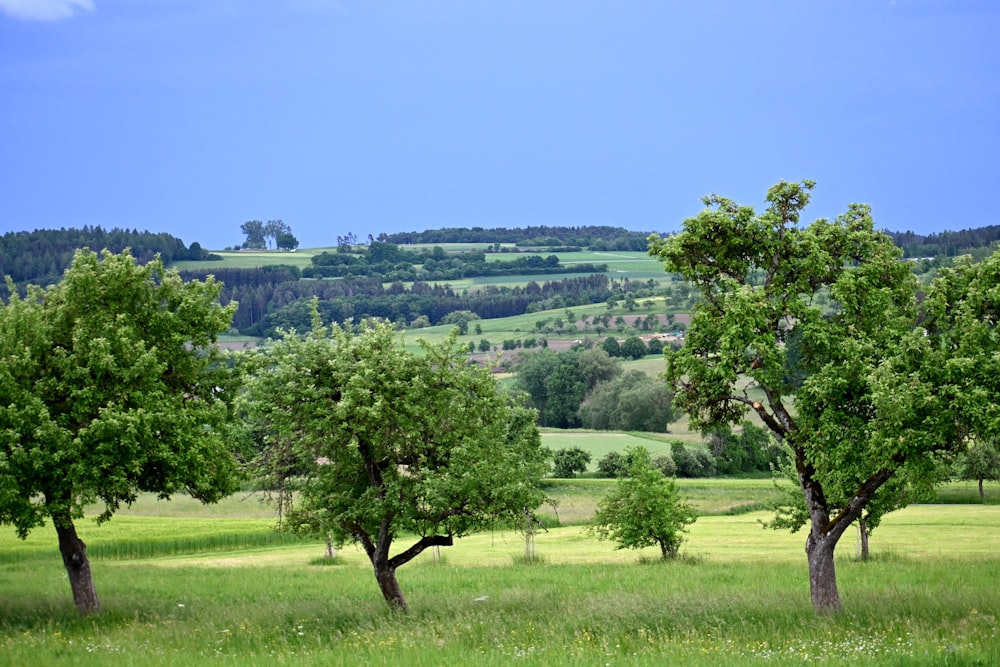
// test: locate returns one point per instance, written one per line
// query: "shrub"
(568, 462)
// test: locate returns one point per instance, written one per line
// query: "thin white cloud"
(44, 10)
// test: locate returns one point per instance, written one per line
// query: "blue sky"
(370, 116)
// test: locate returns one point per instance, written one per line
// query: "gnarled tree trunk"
(822, 574)
(74, 555)
(385, 567)
(387, 583)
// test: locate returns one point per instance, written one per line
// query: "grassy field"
(738, 597)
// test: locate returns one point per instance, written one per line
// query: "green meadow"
(184, 584)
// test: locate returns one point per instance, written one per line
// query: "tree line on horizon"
(276, 296)
(42, 256)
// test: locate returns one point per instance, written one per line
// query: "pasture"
(739, 596)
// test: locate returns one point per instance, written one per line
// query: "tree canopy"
(394, 442)
(111, 384)
(879, 393)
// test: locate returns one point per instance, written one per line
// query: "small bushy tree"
(751, 450)
(611, 346)
(644, 509)
(632, 401)
(569, 462)
(613, 464)
(633, 348)
(982, 462)
(395, 444)
(692, 460)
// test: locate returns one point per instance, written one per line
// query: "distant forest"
(543, 236)
(371, 279)
(946, 244)
(41, 256)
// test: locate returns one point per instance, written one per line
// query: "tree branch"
(424, 543)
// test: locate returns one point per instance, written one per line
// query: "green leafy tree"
(644, 509)
(556, 383)
(612, 346)
(632, 401)
(396, 443)
(595, 366)
(748, 451)
(963, 308)
(277, 229)
(692, 460)
(982, 462)
(286, 241)
(461, 319)
(633, 348)
(569, 462)
(111, 385)
(613, 464)
(255, 233)
(875, 398)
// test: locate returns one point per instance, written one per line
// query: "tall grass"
(739, 597)
(550, 614)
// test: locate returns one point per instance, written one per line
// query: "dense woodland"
(590, 237)
(947, 244)
(40, 257)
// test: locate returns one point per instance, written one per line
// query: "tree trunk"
(74, 555)
(822, 574)
(982, 494)
(391, 591)
(862, 539)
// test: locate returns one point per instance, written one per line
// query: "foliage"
(557, 382)
(615, 464)
(611, 346)
(569, 462)
(395, 442)
(286, 241)
(881, 395)
(750, 451)
(461, 319)
(644, 509)
(111, 385)
(275, 229)
(392, 263)
(692, 460)
(632, 401)
(267, 304)
(981, 463)
(597, 237)
(42, 256)
(255, 233)
(633, 348)
(946, 243)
